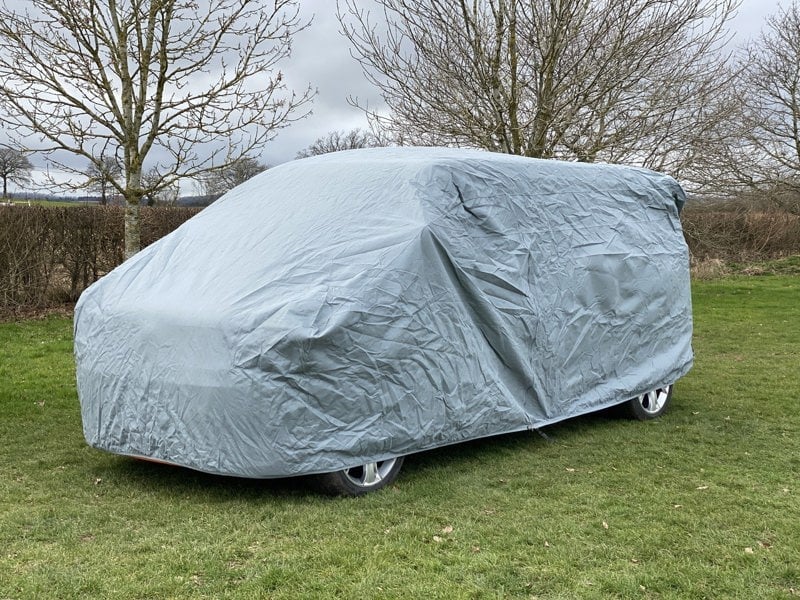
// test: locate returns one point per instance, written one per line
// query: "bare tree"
(159, 191)
(341, 140)
(14, 167)
(100, 175)
(188, 85)
(768, 154)
(629, 81)
(240, 170)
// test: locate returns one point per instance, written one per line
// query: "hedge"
(736, 233)
(48, 256)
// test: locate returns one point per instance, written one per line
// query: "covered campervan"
(334, 314)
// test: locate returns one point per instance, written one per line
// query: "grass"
(49, 203)
(715, 268)
(703, 503)
(782, 266)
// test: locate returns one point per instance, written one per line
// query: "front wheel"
(359, 480)
(649, 405)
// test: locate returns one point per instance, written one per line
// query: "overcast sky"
(321, 58)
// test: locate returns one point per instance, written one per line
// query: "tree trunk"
(133, 235)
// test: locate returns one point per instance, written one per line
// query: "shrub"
(50, 255)
(738, 232)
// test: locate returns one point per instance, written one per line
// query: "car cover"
(367, 304)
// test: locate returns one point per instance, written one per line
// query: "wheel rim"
(653, 402)
(370, 474)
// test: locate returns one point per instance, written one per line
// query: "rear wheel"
(359, 480)
(649, 405)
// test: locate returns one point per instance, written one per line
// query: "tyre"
(361, 479)
(649, 405)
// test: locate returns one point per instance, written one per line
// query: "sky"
(321, 58)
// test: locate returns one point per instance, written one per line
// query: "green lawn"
(50, 203)
(703, 503)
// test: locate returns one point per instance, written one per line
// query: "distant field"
(50, 203)
(703, 503)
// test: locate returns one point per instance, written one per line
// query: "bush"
(739, 232)
(50, 255)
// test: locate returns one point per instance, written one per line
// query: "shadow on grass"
(485, 449)
(172, 480)
(176, 481)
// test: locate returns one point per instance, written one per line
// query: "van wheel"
(359, 480)
(649, 405)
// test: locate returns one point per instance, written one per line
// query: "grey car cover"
(362, 305)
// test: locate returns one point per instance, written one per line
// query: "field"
(703, 503)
